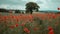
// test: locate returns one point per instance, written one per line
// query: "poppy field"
(36, 23)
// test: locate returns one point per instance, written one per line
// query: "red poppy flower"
(26, 30)
(17, 20)
(51, 32)
(50, 28)
(30, 16)
(16, 25)
(53, 16)
(22, 24)
(12, 27)
(58, 8)
(5, 17)
(31, 20)
(49, 16)
(12, 16)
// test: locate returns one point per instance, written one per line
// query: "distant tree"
(31, 6)
(3, 10)
(17, 11)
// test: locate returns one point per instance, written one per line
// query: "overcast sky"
(20, 4)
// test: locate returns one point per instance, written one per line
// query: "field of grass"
(36, 23)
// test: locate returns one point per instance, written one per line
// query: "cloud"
(6, 6)
(30, 0)
(20, 4)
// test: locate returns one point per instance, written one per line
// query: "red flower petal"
(16, 25)
(11, 27)
(22, 24)
(51, 32)
(26, 30)
(50, 28)
(58, 8)
(53, 16)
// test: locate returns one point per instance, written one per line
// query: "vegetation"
(46, 23)
(31, 6)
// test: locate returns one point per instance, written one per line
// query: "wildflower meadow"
(36, 23)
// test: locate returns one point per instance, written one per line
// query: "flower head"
(50, 28)
(22, 24)
(51, 32)
(11, 26)
(26, 30)
(16, 25)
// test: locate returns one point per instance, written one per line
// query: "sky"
(20, 4)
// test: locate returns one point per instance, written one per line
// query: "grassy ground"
(36, 23)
